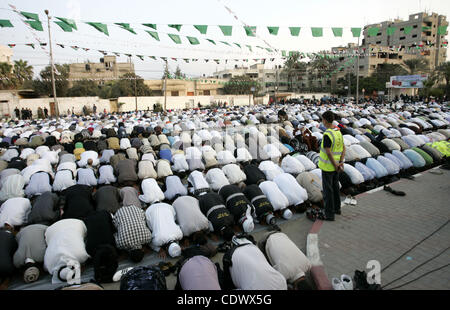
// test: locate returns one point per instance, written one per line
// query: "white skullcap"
(174, 250)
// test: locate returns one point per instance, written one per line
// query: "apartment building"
(175, 88)
(107, 68)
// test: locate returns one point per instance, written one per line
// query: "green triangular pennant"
(126, 27)
(273, 30)
(30, 15)
(211, 41)
(193, 40)
(372, 32)
(269, 50)
(337, 32)
(442, 30)
(175, 38)
(237, 45)
(226, 30)
(226, 43)
(69, 22)
(250, 30)
(295, 31)
(201, 28)
(100, 27)
(5, 23)
(153, 34)
(36, 25)
(356, 32)
(175, 26)
(317, 32)
(408, 29)
(250, 48)
(390, 31)
(150, 25)
(140, 57)
(30, 44)
(152, 57)
(64, 26)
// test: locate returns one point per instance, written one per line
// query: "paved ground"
(383, 226)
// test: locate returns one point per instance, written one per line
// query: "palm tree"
(416, 65)
(7, 80)
(22, 71)
(443, 72)
(293, 67)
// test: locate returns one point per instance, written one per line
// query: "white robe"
(39, 184)
(276, 197)
(216, 179)
(161, 221)
(270, 169)
(86, 176)
(151, 191)
(63, 180)
(234, 174)
(174, 187)
(291, 189)
(189, 216)
(65, 246)
(106, 175)
(15, 211)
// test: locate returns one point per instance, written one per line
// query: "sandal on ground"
(397, 193)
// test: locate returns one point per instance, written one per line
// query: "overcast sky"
(260, 13)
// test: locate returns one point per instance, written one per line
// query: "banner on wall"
(408, 81)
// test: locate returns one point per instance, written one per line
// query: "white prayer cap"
(248, 225)
(287, 214)
(174, 250)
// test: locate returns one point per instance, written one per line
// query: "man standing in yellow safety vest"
(331, 162)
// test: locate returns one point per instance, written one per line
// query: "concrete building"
(201, 87)
(423, 28)
(269, 79)
(107, 68)
(6, 54)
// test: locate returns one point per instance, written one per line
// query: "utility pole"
(52, 66)
(165, 87)
(357, 77)
(276, 87)
(135, 92)
(349, 83)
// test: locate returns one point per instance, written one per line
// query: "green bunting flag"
(117, 54)
(175, 38)
(69, 22)
(11, 45)
(283, 53)
(126, 27)
(317, 32)
(250, 48)
(442, 30)
(295, 31)
(201, 28)
(76, 48)
(5, 23)
(226, 43)
(153, 34)
(273, 30)
(152, 57)
(408, 29)
(237, 45)
(226, 30)
(186, 60)
(390, 31)
(30, 16)
(100, 27)
(64, 26)
(153, 26)
(372, 32)
(193, 40)
(356, 32)
(140, 57)
(337, 32)
(36, 25)
(250, 30)
(211, 41)
(425, 28)
(30, 44)
(269, 50)
(177, 26)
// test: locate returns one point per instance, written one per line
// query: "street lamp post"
(52, 65)
(165, 88)
(357, 76)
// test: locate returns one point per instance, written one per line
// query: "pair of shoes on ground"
(345, 283)
(350, 200)
(397, 193)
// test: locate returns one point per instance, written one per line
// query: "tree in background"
(293, 68)
(443, 72)
(416, 65)
(22, 72)
(166, 73)
(43, 86)
(7, 80)
(241, 85)
(125, 87)
(179, 74)
(84, 88)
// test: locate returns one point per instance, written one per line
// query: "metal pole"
(276, 88)
(135, 92)
(357, 77)
(349, 83)
(165, 88)
(52, 65)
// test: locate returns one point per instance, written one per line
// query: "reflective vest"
(337, 147)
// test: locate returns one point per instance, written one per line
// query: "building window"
(207, 93)
(174, 93)
(402, 29)
(415, 26)
(414, 36)
(402, 38)
(379, 42)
